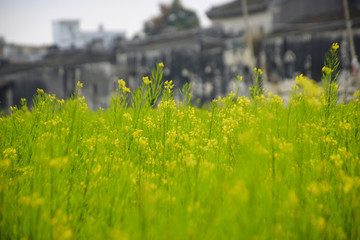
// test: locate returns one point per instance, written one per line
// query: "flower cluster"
(123, 87)
(169, 85)
(146, 80)
(327, 70)
(258, 71)
(309, 87)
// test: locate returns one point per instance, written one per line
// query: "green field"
(242, 168)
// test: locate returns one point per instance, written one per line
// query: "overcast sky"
(30, 21)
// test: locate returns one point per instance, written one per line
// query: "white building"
(67, 34)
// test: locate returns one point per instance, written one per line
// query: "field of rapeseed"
(245, 168)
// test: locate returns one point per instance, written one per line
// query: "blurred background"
(54, 44)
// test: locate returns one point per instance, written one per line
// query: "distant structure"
(245, 23)
(283, 37)
(232, 16)
(302, 34)
(191, 56)
(16, 53)
(67, 35)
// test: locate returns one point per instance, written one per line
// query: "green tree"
(172, 16)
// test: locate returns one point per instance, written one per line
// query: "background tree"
(172, 16)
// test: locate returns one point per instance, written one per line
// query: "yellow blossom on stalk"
(79, 84)
(121, 83)
(169, 85)
(123, 87)
(356, 94)
(335, 46)
(258, 70)
(327, 70)
(167, 104)
(309, 87)
(146, 80)
(161, 64)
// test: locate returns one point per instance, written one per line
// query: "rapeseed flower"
(123, 87)
(258, 71)
(161, 64)
(169, 85)
(335, 46)
(309, 87)
(146, 80)
(356, 94)
(327, 70)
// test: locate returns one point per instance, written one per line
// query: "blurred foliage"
(173, 16)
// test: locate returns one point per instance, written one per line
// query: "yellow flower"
(121, 83)
(327, 70)
(356, 94)
(240, 78)
(123, 87)
(309, 87)
(146, 80)
(335, 46)
(169, 85)
(161, 64)
(125, 90)
(79, 84)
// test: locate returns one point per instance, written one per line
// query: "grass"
(245, 168)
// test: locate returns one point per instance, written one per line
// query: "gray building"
(303, 33)
(189, 56)
(285, 38)
(58, 74)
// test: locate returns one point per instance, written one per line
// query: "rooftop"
(234, 8)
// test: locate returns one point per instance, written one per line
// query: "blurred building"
(303, 32)
(283, 37)
(67, 35)
(245, 23)
(232, 17)
(194, 56)
(16, 53)
(58, 74)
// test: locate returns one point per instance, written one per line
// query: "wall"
(259, 22)
(97, 79)
(288, 55)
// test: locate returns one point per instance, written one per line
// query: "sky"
(29, 22)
